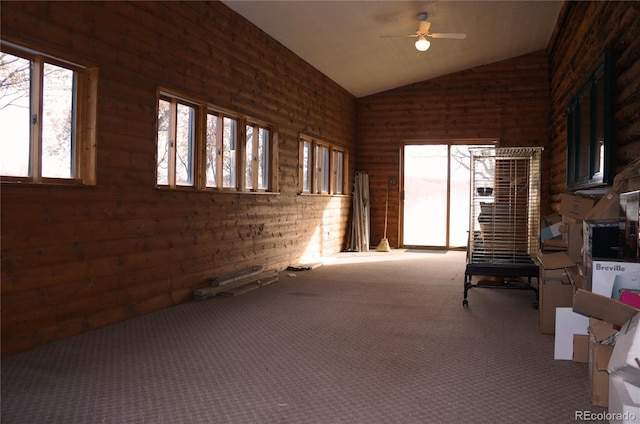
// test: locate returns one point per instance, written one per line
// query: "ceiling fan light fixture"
(422, 44)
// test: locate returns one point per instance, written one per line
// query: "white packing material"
(624, 401)
(625, 359)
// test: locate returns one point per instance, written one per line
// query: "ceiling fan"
(422, 44)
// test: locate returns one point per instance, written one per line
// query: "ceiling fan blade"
(399, 36)
(450, 35)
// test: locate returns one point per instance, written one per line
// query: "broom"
(383, 246)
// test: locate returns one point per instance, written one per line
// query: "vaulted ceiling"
(361, 45)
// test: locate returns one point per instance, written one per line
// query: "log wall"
(78, 258)
(506, 101)
(585, 30)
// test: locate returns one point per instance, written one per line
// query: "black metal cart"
(510, 269)
(504, 223)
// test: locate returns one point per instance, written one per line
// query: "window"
(305, 166)
(322, 167)
(215, 158)
(221, 150)
(257, 147)
(590, 132)
(338, 172)
(47, 119)
(176, 142)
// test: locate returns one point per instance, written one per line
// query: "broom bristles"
(383, 246)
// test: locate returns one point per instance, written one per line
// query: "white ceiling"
(345, 40)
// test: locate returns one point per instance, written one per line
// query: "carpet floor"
(378, 337)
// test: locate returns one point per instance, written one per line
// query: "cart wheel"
(465, 302)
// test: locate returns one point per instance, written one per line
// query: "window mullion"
(219, 151)
(272, 172)
(254, 157)
(241, 155)
(37, 75)
(317, 174)
(332, 178)
(173, 110)
(200, 147)
(301, 164)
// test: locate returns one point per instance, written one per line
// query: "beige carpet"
(366, 338)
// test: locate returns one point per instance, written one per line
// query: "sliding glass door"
(435, 207)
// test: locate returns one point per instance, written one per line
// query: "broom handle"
(386, 207)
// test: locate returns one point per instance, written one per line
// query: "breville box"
(609, 277)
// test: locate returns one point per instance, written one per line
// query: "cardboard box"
(609, 277)
(608, 207)
(602, 307)
(553, 294)
(601, 336)
(577, 279)
(629, 178)
(552, 265)
(575, 206)
(568, 323)
(572, 234)
(624, 401)
(599, 355)
(625, 359)
(581, 348)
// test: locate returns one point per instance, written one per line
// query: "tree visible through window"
(257, 157)
(40, 125)
(322, 166)
(226, 152)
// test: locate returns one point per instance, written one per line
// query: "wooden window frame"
(270, 150)
(84, 117)
(204, 110)
(174, 102)
(319, 173)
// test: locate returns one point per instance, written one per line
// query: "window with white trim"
(47, 118)
(322, 166)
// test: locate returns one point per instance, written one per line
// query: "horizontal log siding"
(585, 30)
(78, 258)
(507, 100)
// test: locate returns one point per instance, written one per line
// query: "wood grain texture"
(590, 28)
(506, 101)
(77, 258)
